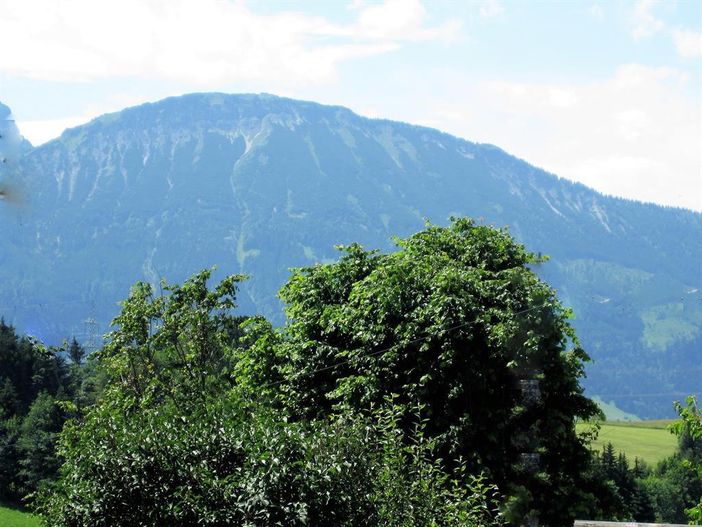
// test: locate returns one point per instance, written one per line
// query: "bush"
(223, 464)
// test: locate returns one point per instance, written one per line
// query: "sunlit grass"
(647, 440)
(14, 518)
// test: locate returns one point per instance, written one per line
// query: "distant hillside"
(258, 184)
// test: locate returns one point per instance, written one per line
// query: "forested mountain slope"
(257, 184)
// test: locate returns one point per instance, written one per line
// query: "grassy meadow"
(14, 518)
(647, 440)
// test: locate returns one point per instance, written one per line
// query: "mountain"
(257, 184)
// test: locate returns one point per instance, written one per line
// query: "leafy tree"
(457, 322)
(32, 377)
(9, 403)
(175, 439)
(667, 501)
(30, 367)
(629, 498)
(223, 465)
(689, 430)
(36, 445)
(672, 492)
(9, 458)
(88, 382)
(173, 345)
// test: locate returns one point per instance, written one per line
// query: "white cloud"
(40, 131)
(491, 8)
(688, 43)
(356, 4)
(645, 22)
(205, 42)
(636, 134)
(399, 20)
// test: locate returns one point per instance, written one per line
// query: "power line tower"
(91, 327)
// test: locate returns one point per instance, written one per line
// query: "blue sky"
(606, 93)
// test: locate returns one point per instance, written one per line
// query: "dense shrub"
(172, 440)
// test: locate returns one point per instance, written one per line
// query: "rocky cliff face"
(259, 184)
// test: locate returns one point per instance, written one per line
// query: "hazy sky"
(606, 93)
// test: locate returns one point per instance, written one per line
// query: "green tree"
(9, 403)
(9, 458)
(175, 439)
(689, 430)
(674, 488)
(76, 352)
(456, 321)
(629, 498)
(176, 344)
(219, 463)
(36, 444)
(31, 378)
(31, 368)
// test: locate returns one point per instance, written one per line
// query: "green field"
(14, 518)
(647, 440)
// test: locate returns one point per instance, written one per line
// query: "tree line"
(669, 492)
(36, 383)
(435, 385)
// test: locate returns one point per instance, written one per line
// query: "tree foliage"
(670, 492)
(457, 322)
(689, 431)
(33, 379)
(630, 497)
(403, 389)
(176, 440)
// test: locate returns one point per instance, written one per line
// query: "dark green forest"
(435, 385)
(40, 389)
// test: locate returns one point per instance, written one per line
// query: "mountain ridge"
(269, 96)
